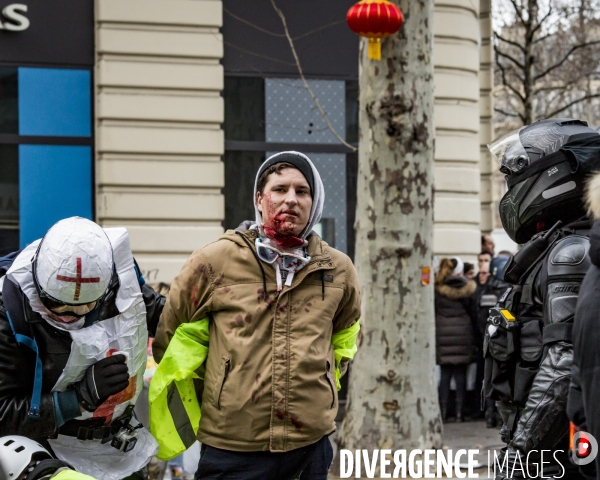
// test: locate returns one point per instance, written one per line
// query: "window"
(267, 115)
(45, 151)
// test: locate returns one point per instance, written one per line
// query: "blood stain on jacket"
(237, 323)
(296, 422)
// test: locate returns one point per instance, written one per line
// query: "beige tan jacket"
(269, 381)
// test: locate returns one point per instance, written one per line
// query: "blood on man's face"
(286, 202)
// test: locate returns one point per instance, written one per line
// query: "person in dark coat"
(489, 291)
(455, 317)
(584, 391)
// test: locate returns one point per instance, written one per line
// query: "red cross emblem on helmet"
(79, 279)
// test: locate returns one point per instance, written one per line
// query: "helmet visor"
(509, 151)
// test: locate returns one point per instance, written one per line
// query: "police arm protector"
(543, 423)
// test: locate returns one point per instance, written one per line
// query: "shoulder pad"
(570, 256)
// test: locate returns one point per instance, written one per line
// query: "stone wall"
(158, 136)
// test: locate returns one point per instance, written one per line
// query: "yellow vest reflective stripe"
(344, 348)
(174, 407)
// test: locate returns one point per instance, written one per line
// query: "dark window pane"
(244, 109)
(9, 111)
(352, 111)
(9, 198)
(240, 172)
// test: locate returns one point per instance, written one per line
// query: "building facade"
(155, 114)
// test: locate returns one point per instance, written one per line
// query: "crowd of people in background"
(463, 297)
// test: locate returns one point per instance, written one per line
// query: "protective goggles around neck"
(269, 254)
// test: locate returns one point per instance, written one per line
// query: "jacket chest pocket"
(220, 382)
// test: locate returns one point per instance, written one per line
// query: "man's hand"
(101, 380)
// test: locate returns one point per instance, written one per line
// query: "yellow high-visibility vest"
(344, 348)
(174, 406)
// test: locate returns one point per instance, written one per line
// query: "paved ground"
(473, 435)
(456, 436)
(470, 435)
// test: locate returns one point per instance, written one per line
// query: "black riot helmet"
(546, 165)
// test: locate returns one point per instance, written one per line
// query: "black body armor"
(528, 349)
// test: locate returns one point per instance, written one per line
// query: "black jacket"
(585, 383)
(17, 365)
(455, 317)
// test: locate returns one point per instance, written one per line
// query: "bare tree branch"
(504, 112)
(506, 83)
(570, 104)
(306, 85)
(250, 24)
(550, 88)
(565, 58)
(510, 42)
(511, 58)
(259, 54)
(541, 22)
(327, 25)
(518, 11)
(280, 35)
(541, 39)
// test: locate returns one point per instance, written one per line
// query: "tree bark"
(392, 399)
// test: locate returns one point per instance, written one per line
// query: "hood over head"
(460, 266)
(456, 287)
(307, 168)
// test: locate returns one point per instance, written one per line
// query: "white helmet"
(73, 266)
(16, 455)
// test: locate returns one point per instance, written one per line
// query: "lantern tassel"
(375, 48)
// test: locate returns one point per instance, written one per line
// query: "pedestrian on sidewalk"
(489, 291)
(276, 297)
(455, 317)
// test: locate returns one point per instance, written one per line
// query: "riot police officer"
(527, 347)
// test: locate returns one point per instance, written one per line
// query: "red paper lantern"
(374, 19)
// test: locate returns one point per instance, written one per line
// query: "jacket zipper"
(225, 374)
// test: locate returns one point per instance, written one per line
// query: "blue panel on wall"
(55, 101)
(55, 182)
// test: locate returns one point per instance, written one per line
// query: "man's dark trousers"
(307, 463)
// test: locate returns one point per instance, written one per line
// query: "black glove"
(101, 380)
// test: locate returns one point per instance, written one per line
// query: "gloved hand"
(101, 380)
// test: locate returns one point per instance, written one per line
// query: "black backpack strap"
(13, 299)
(7, 261)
